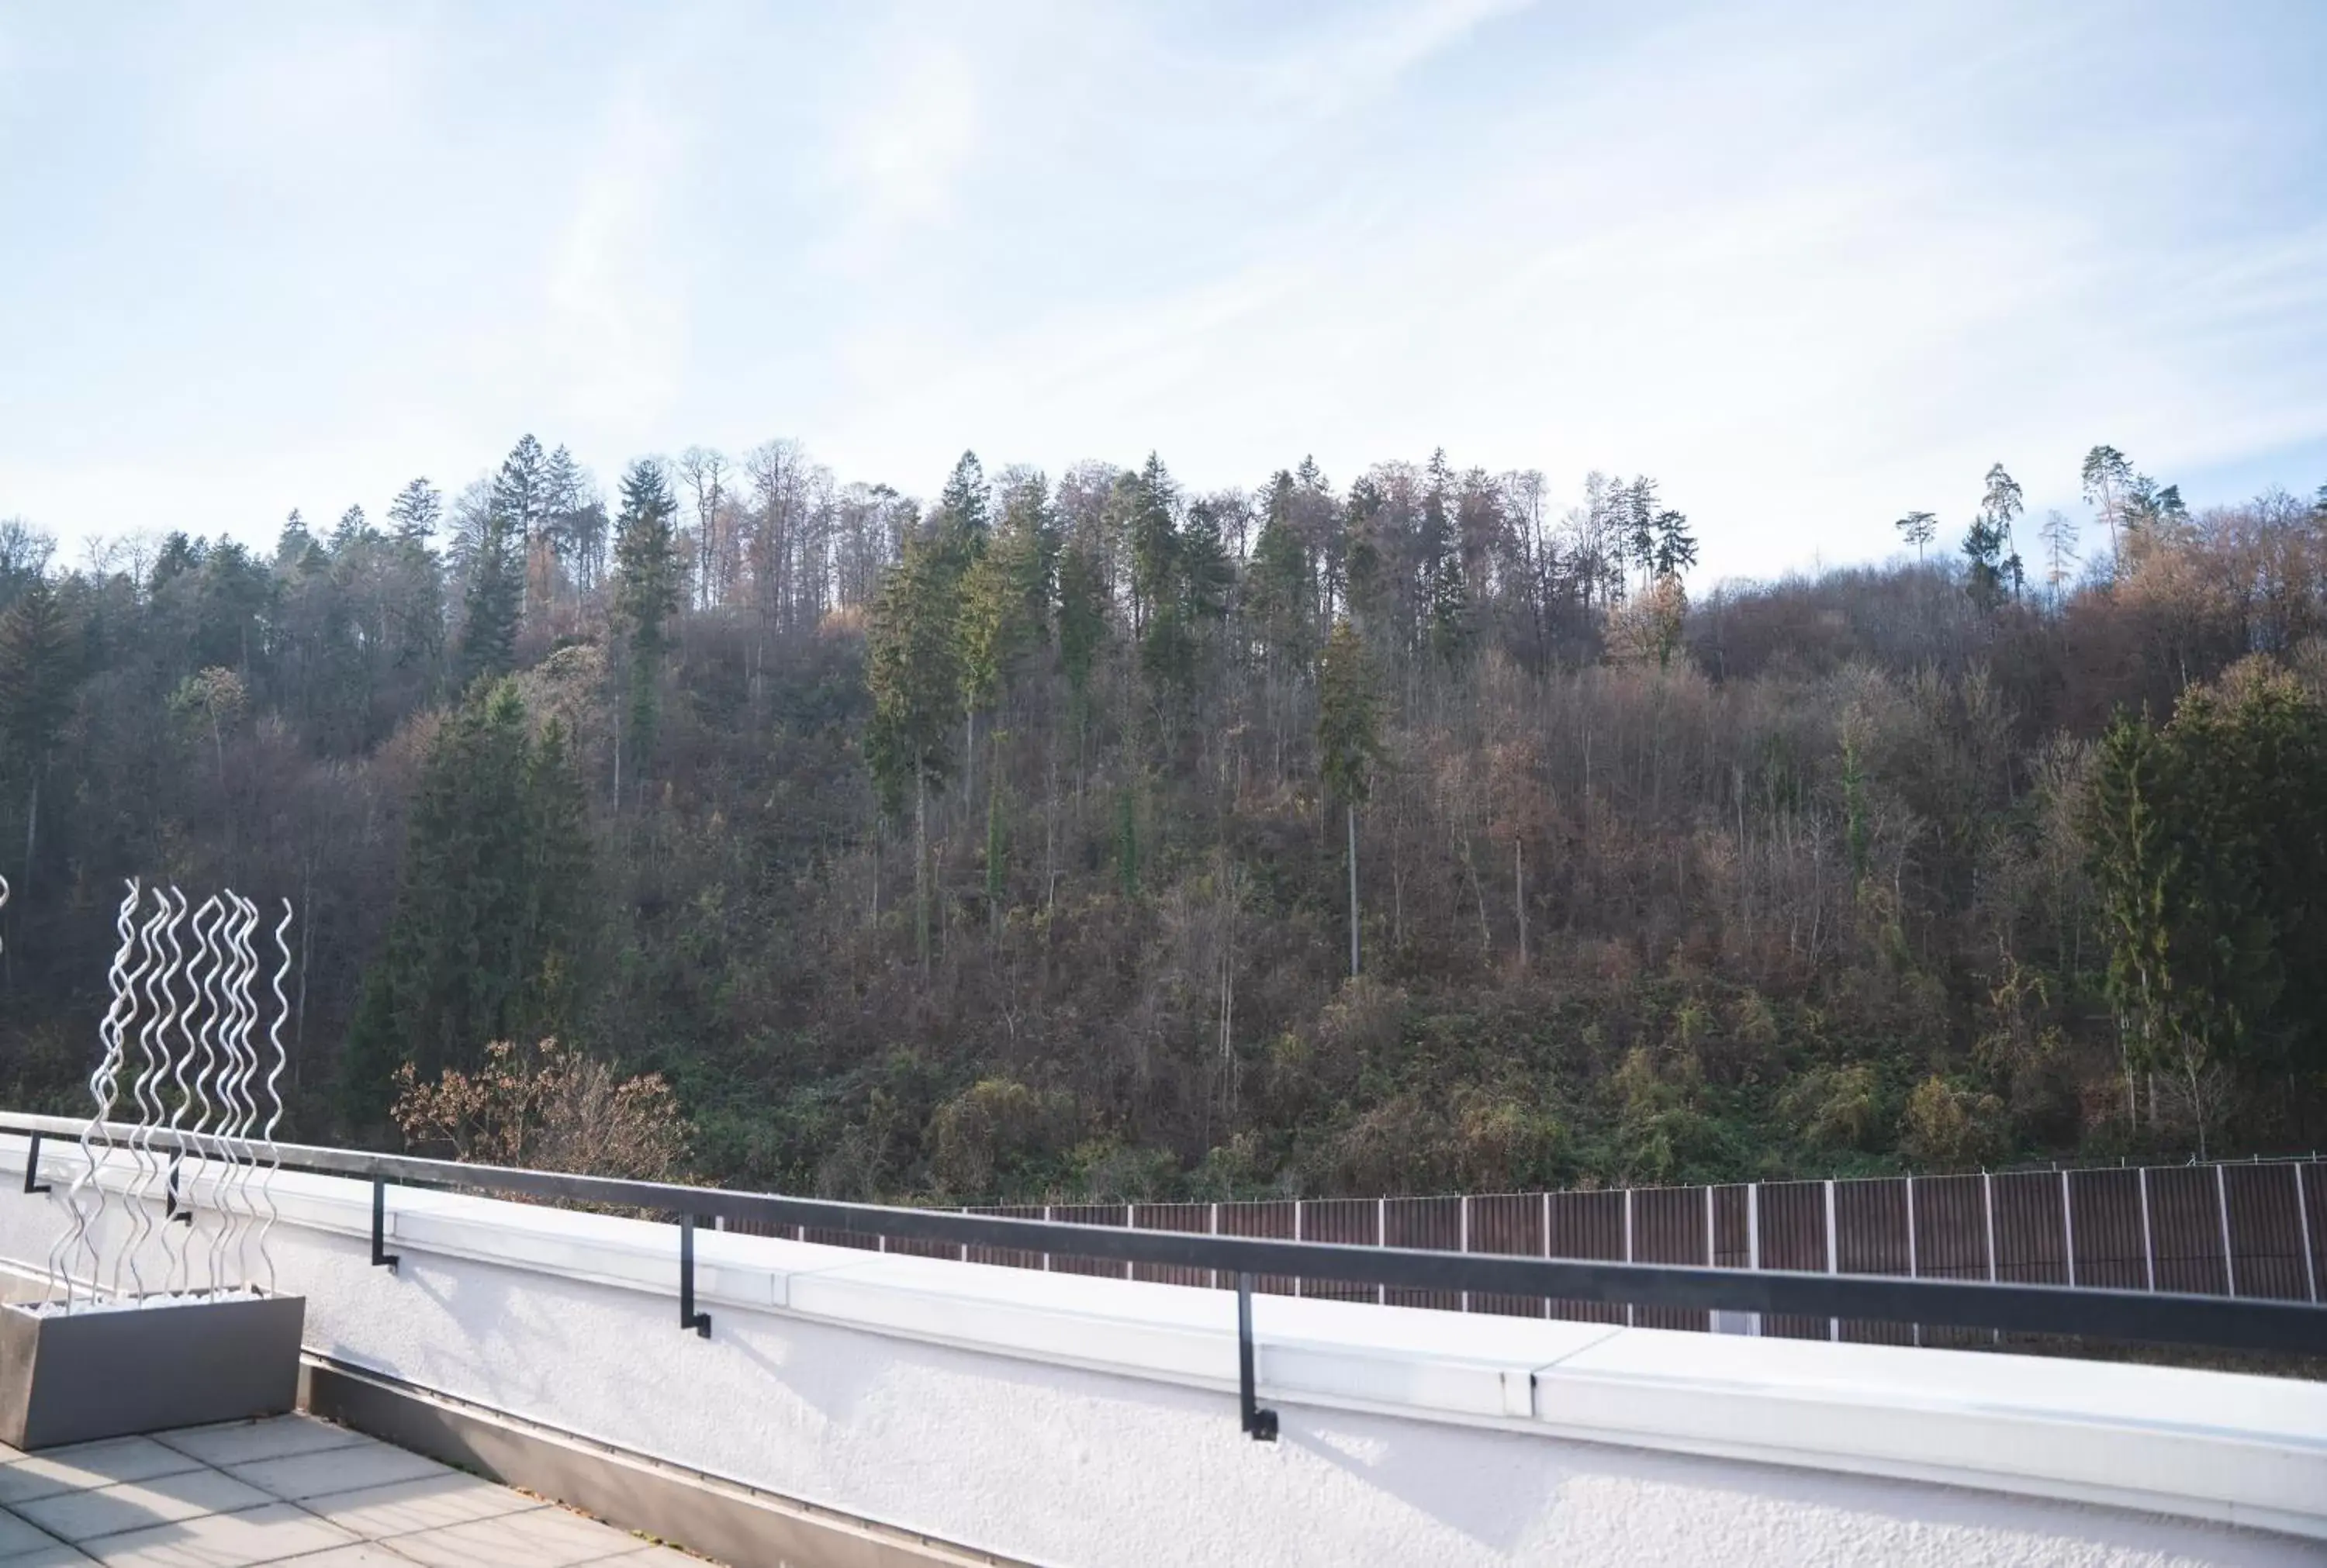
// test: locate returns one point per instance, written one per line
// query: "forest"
(1090, 836)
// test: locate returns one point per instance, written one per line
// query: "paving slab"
(541, 1538)
(81, 1516)
(273, 1533)
(429, 1503)
(88, 1465)
(249, 1442)
(55, 1554)
(348, 1468)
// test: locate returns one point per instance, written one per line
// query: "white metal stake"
(1712, 1319)
(2222, 1206)
(1212, 1227)
(1988, 1200)
(1627, 1247)
(2067, 1229)
(1126, 1225)
(1754, 1238)
(1381, 1238)
(1833, 1325)
(1464, 1234)
(2303, 1228)
(1916, 1330)
(1546, 1245)
(2148, 1247)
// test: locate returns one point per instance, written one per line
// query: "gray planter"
(112, 1372)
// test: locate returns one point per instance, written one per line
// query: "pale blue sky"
(1811, 265)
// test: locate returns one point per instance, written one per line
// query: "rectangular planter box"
(112, 1372)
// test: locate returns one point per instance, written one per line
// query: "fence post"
(2149, 1245)
(1129, 1223)
(2302, 1227)
(1046, 1256)
(1833, 1325)
(1297, 1207)
(1914, 1329)
(2067, 1229)
(1462, 1235)
(1380, 1238)
(1212, 1227)
(1628, 1248)
(2222, 1205)
(1987, 1202)
(1754, 1238)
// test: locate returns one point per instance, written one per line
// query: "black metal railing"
(2214, 1321)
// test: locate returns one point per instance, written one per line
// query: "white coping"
(2223, 1446)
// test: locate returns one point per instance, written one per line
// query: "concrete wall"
(1065, 1420)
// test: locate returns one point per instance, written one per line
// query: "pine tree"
(2108, 478)
(1445, 595)
(914, 666)
(1348, 738)
(491, 605)
(36, 690)
(459, 941)
(415, 513)
(646, 594)
(1918, 529)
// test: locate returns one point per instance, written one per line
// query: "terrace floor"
(290, 1490)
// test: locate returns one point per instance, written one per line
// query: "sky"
(1810, 266)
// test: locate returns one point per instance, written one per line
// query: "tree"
(1918, 529)
(2208, 836)
(647, 594)
(2107, 477)
(1446, 596)
(1675, 551)
(488, 921)
(491, 603)
(37, 677)
(416, 511)
(1994, 567)
(1347, 738)
(554, 1109)
(914, 666)
(2060, 537)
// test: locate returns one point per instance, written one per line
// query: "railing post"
(1754, 1238)
(1463, 1238)
(688, 1318)
(1711, 1318)
(1629, 1316)
(1129, 1224)
(1381, 1238)
(1212, 1227)
(1914, 1329)
(1987, 1202)
(2303, 1228)
(32, 1183)
(2149, 1245)
(2067, 1229)
(1833, 1325)
(2222, 1204)
(1260, 1424)
(380, 1257)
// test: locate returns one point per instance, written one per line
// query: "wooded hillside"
(1009, 844)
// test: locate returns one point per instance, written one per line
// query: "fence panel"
(1794, 1236)
(1585, 1225)
(2030, 1227)
(1117, 1214)
(2266, 1232)
(1511, 1224)
(1670, 1226)
(1354, 1221)
(1007, 1257)
(1871, 1237)
(2311, 1189)
(1195, 1217)
(2185, 1230)
(1274, 1219)
(1433, 1223)
(2104, 1230)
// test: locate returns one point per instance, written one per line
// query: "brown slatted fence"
(1509, 1224)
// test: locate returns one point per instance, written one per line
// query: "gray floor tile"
(337, 1470)
(88, 1465)
(249, 1442)
(16, 1536)
(274, 1534)
(78, 1517)
(364, 1555)
(430, 1503)
(55, 1554)
(542, 1538)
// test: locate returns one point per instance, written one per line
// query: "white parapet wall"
(1053, 1418)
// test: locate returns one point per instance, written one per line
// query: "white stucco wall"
(1071, 1421)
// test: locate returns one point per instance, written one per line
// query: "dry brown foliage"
(552, 1108)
